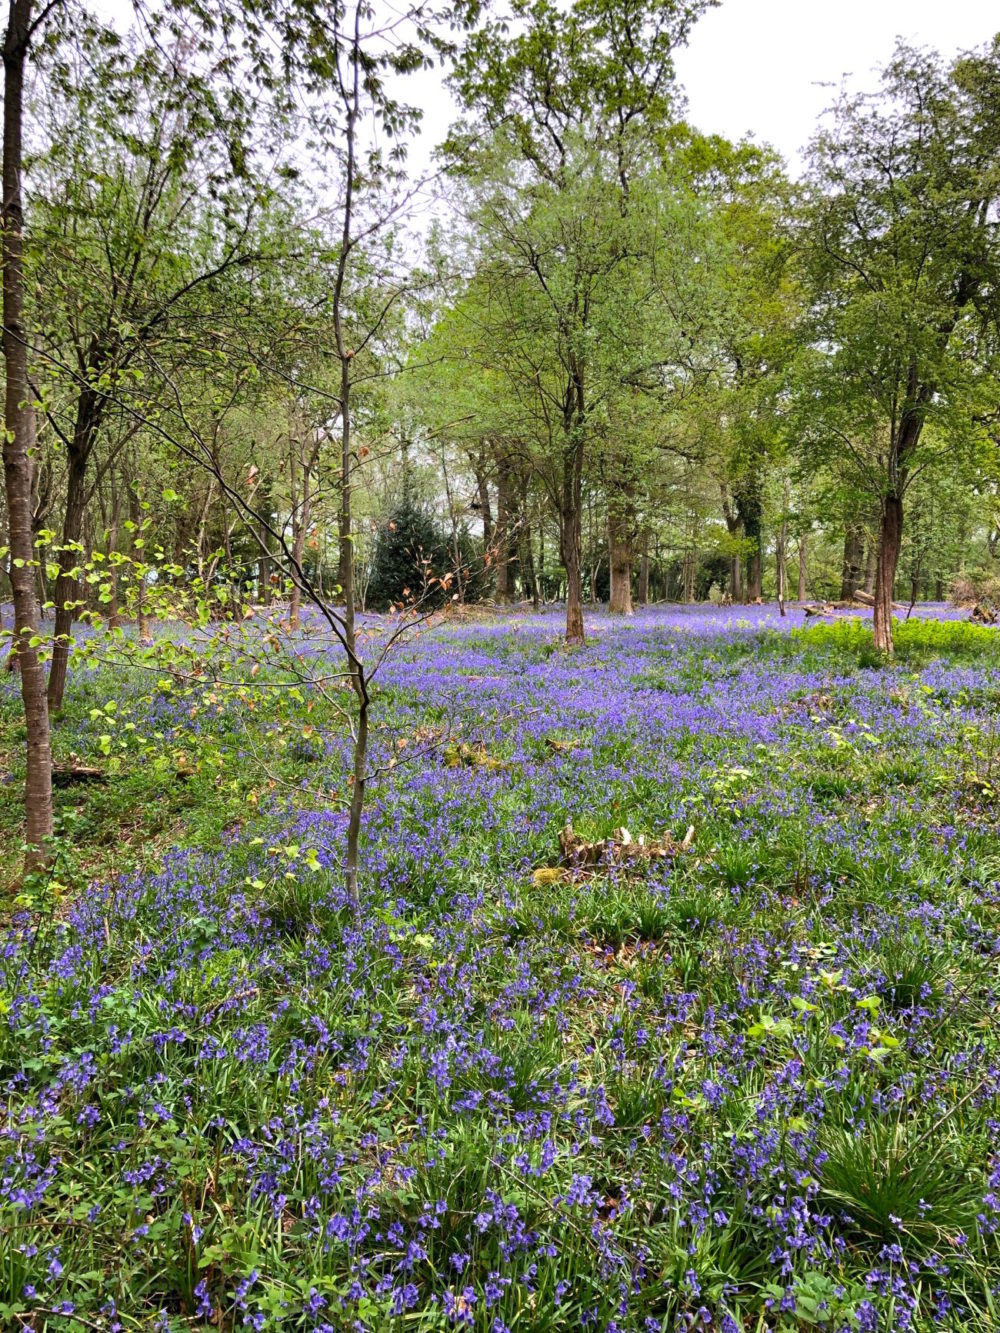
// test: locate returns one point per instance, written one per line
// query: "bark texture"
(854, 549)
(620, 551)
(18, 445)
(890, 541)
(67, 589)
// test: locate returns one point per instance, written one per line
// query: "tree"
(905, 267)
(19, 426)
(568, 107)
(120, 254)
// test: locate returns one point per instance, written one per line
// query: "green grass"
(759, 1080)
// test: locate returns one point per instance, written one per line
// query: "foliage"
(416, 562)
(913, 638)
(764, 1076)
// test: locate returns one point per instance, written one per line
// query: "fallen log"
(67, 775)
(577, 852)
(866, 599)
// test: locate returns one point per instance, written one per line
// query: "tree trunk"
(456, 550)
(356, 668)
(540, 576)
(572, 560)
(914, 588)
(114, 610)
(620, 553)
(571, 544)
(889, 543)
(345, 537)
(850, 576)
(485, 510)
(802, 568)
(526, 559)
(18, 444)
(536, 569)
(501, 531)
(571, 525)
(67, 589)
(871, 559)
(755, 573)
(264, 566)
(749, 509)
(736, 579)
(734, 526)
(139, 570)
(302, 517)
(690, 572)
(781, 555)
(643, 589)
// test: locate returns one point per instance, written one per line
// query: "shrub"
(912, 639)
(976, 588)
(414, 560)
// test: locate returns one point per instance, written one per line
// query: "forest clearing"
(750, 1083)
(500, 666)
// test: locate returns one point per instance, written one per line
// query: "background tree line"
(627, 363)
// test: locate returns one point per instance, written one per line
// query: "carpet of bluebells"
(753, 1086)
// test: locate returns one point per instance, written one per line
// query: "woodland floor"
(749, 1085)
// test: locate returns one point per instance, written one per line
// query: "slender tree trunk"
(914, 587)
(141, 609)
(620, 559)
(573, 563)
(802, 568)
(571, 533)
(781, 554)
(67, 589)
(201, 542)
(456, 550)
(871, 560)
(540, 576)
(689, 574)
(295, 606)
(18, 444)
(501, 533)
(536, 569)
(571, 543)
(854, 540)
(114, 610)
(356, 668)
(264, 562)
(528, 575)
(142, 614)
(644, 571)
(485, 509)
(301, 518)
(890, 542)
(298, 532)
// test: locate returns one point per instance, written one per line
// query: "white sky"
(759, 66)
(756, 65)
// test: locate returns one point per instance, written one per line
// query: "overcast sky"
(757, 65)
